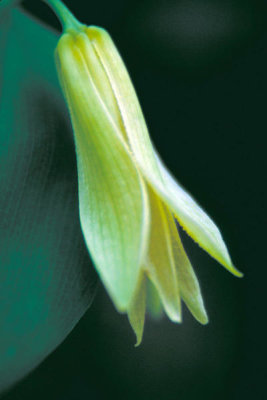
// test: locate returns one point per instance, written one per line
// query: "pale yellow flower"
(128, 200)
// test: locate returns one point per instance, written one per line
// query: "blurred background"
(199, 68)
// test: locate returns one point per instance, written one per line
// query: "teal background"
(47, 280)
(199, 68)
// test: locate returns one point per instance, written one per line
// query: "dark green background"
(199, 68)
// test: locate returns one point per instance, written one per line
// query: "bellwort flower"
(129, 202)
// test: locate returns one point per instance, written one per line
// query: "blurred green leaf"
(47, 280)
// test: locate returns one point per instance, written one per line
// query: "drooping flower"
(128, 200)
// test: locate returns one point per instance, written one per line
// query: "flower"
(128, 200)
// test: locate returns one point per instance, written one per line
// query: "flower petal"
(160, 263)
(113, 207)
(100, 78)
(192, 218)
(128, 104)
(137, 309)
(187, 280)
(154, 305)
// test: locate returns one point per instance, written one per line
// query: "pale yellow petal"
(128, 104)
(189, 214)
(194, 220)
(100, 78)
(113, 201)
(154, 305)
(187, 280)
(137, 309)
(160, 263)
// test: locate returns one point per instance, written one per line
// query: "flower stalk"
(66, 18)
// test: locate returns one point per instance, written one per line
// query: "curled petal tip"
(138, 342)
(176, 318)
(204, 320)
(238, 274)
(231, 268)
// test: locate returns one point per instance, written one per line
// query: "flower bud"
(128, 200)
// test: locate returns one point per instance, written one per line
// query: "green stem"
(66, 18)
